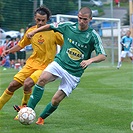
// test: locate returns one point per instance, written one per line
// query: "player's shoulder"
(131, 38)
(57, 33)
(61, 24)
(94, 35)
(68, 23)
(93, 32)
(124, 36)
(31, 28)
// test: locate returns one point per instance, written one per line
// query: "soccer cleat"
(16, 117)
(118, 67)
(17, 108)
(40, 121)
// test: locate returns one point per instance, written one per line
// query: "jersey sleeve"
(59, 38)
(24, 41)
(131, 41)
(59, 27)
(122, 40)
(98, 45)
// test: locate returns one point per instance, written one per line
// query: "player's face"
(128, 33)
(40, 19)
(83, 20)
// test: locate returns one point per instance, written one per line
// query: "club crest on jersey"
(40, 40)
(75, 54)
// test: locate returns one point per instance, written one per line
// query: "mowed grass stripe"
(101, 103)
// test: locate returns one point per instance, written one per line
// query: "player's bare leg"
(8, 93)
(28, 84)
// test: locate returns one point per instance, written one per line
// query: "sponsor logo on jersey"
(76, 43)
(40, 40)
(75, 54)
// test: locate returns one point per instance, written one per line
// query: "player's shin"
(26, 97)
(6, 96)
(48, 110)
(35, 96)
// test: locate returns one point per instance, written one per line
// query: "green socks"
(36, 96)
(48, 110)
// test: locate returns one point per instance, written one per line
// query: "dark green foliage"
(60, 6)
(16, 14)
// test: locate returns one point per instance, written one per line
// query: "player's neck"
(83, 28)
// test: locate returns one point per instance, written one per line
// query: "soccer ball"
(26, 116)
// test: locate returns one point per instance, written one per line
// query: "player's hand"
(5, 53)
(85, 63)
(30, 34)
(124, 44)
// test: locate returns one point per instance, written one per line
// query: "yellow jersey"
(44, 46)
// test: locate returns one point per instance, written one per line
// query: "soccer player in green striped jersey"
(69, 64)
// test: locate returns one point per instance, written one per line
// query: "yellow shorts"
(26, 72)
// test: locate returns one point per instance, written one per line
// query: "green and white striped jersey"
(78, 45)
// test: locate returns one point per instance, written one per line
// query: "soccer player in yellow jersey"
(44, 46)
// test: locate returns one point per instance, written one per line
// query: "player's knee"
(41, 81)
(14, 85)
(28, 84)
(55, 101)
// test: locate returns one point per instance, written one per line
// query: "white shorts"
(124, 53)
(68, 81)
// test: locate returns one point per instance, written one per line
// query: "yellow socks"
(26, 97)
(6, 96)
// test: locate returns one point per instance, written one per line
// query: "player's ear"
(90, 18)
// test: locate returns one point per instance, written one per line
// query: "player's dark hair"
(86, 10)
(42, 10)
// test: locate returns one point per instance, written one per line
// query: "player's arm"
(96, 59)
(42, 28)
(59, 38)
(100, 53)
(11, 50)
(122, 42)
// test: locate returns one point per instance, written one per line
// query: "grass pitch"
(101, 103)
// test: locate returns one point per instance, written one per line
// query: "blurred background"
(17, 15)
